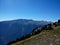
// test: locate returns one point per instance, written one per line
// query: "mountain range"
(11, 30)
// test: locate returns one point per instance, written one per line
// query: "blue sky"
(48, 10)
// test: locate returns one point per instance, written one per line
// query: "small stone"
(55, 36)
(37, 44)
(57, 41)
(51, 44)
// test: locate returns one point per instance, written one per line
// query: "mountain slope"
(46, 37)
(11, 30)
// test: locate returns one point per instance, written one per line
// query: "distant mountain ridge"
(26, 21)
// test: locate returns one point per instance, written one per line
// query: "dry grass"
(46, 37)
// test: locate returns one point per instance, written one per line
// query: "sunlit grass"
(44, 33)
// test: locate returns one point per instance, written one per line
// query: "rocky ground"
(46, 37)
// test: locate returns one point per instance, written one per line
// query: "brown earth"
(46, 37)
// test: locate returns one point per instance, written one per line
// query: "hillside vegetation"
(45, 37)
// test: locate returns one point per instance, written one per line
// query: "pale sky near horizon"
(48, 10)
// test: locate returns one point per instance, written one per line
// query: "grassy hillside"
(46, 37)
